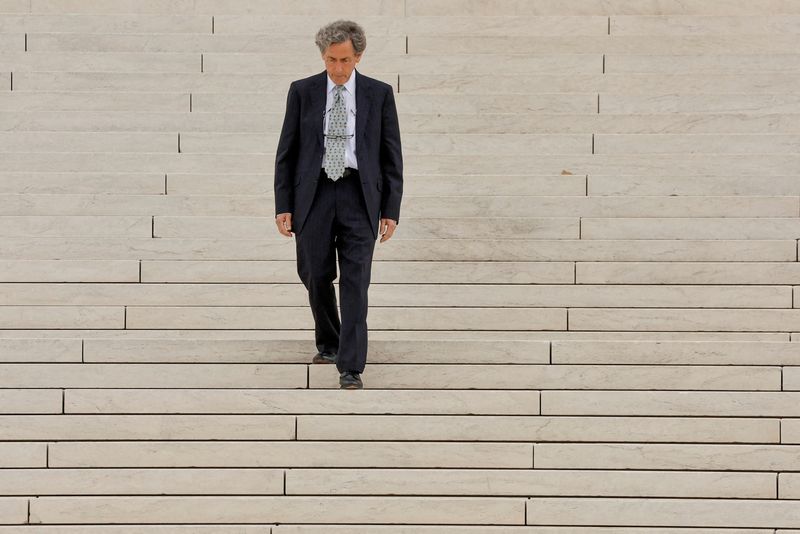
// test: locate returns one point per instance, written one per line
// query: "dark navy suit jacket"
(301, 146)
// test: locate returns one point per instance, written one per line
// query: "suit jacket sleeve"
(391, 160)
(286, 155)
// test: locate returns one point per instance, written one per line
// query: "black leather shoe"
(350, 380)
(324, 357)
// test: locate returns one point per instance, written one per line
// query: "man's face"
(340, 60)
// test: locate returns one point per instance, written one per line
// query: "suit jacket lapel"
(363, 96)
(318, 97)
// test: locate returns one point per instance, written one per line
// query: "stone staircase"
(586, 322)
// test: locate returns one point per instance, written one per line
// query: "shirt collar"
(349, 85)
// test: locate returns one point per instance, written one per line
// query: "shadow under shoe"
(324, 357)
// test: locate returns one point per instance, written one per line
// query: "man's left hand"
(387, 228)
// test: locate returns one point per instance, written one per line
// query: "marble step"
(577, 7)
(244, 348)
(174, 62)
(450, 64)
(412, 143)
(305, 335)
(649, 43)
(512, 481)
(726, 23)
(754, 513)
(639, 83)
(402, 249)
(395, 272)
(733, 19)
(194, 185)
(277, 509)
(399, 376)
(190, 42)
(442, 185)
(634, 184)
(281, 402)
(227, 183)
(160, 346)
(22, 21)
(778, 114)
(277, 7)
(53, 81)
(177, 62)
(406, 318)
(444, 143)
(482, 529)
(46, 101)
(377, 481)
(456, 293)
(767, 82)
(689, 227)
(473, 164)
(669, 63)
(528, 201)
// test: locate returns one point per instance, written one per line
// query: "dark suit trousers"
(338, 223)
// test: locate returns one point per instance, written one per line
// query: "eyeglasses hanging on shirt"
(350, 113)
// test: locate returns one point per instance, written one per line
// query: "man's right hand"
(284, 222)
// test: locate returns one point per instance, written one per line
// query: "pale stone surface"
(22, 454)
(81, 183)
(158, 427)
(104, 61)
(539, 428)
(142, 481)
(290, 317)
(62, 316)
(36, 349)
(571, 377)
(578, 7)
(30, 101)
(684, 319)
(196, 375)
(75, 225)
(13, 510)
(746, 186)
(679, 457)
(724, 23)
(512, 482)
(401, 249)
(589, 42)
(284, 350)
(709, 62)
(288, 454)
(645, 83)
(88, 23)
(663, 512)
(188, 42)
(683, 403)
(97, 271)
(687, 273)
(424, 293)
(438, 510)
(677, 352)
(37, 401)
(300, 401)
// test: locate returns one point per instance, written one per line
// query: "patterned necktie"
(334, 151)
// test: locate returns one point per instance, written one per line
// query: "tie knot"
(338, 89)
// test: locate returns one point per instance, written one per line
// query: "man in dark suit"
(338, 185)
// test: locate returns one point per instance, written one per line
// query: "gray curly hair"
(340, 31)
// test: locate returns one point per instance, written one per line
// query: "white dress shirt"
(349, 95)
